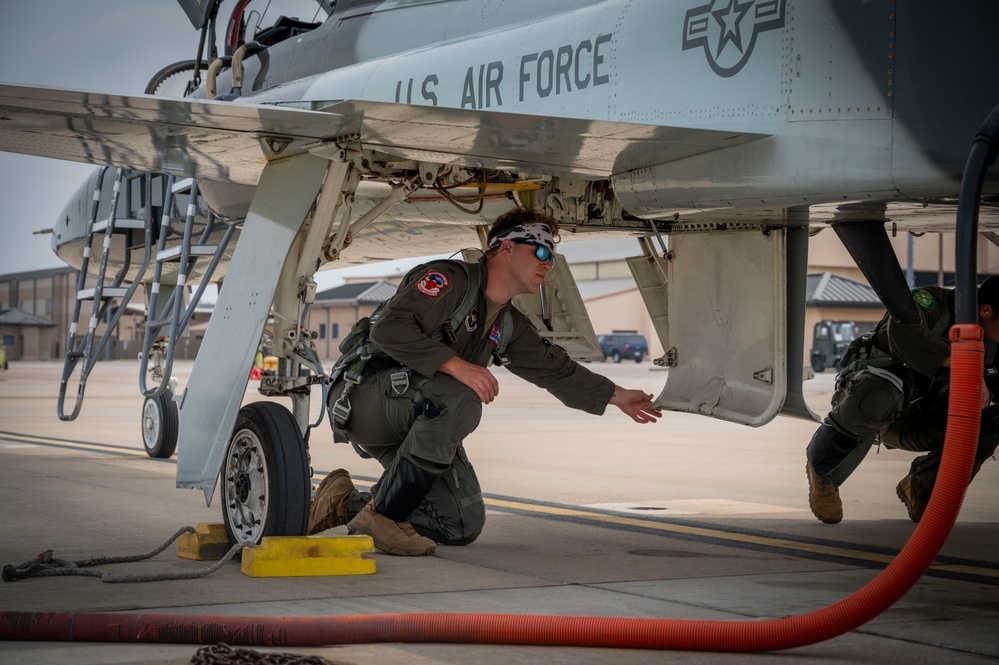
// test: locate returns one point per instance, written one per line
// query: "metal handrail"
(172, 311)
(87, 350)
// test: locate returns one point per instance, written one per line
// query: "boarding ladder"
(173, 314)
(104, 292)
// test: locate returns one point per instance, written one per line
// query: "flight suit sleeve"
(426, 298)
(915, 344)
(548, 366)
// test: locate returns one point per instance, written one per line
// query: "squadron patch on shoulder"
(432, 284)
(472, 320)
(923, 298)
(494, 335)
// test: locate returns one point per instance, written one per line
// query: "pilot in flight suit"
(415, 405)
(893, 386)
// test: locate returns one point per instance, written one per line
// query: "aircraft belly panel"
(557, 145)
(782, 170)
(726, 317)
(218, 380)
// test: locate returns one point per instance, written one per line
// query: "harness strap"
(354, 365)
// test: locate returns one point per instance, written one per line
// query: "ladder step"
(107, 292)
(120, 225)
(182, 186)
(173, 254)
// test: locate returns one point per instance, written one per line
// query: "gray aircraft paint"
(790, 85)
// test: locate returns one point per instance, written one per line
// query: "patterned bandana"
(533, 233)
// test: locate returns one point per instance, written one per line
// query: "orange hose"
(967, 356)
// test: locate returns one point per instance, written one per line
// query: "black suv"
(619, 345)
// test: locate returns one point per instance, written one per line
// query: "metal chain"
(46, 565)
(223, 654)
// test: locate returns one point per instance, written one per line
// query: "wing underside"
(231, 142)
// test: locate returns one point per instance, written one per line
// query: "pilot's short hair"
(988, 292)
(518, 217)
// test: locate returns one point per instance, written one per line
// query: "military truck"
(830, 340)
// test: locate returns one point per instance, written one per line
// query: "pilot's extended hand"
(636, 404)
(479, 379)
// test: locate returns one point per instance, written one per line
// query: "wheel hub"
(242, 487)
(150, 423)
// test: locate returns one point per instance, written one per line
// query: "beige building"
(932, 257)
(24, 335)
(602, 275)
(42, 302)
(614, 302)
(48, 295)
(336, 310)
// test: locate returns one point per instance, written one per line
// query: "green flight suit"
(894, 387)
(426, 421)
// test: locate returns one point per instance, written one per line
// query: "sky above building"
(113, 46)
(108, 46)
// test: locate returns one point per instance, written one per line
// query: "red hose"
(967, 356)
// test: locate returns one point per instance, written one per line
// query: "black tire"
(616, 356)
(818, 365)
(265, 475)
(159, 425)
(638, 357)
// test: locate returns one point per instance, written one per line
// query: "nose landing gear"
(265, 475)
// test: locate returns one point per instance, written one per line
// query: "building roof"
(360, 292)
(18, 317)
(829, 289)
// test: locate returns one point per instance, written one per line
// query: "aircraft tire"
(159, 425)
(265, 475)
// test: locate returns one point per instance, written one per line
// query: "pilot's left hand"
(636, 404)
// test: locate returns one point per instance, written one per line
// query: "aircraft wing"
(232, 142)
(183, 137)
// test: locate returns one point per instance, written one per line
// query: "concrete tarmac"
(688, 518)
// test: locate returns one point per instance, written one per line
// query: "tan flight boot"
(914, 506)
(329, 507)
(823, 498)
(392, 537)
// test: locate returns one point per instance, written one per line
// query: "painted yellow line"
(766, 541)
(703, 532)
